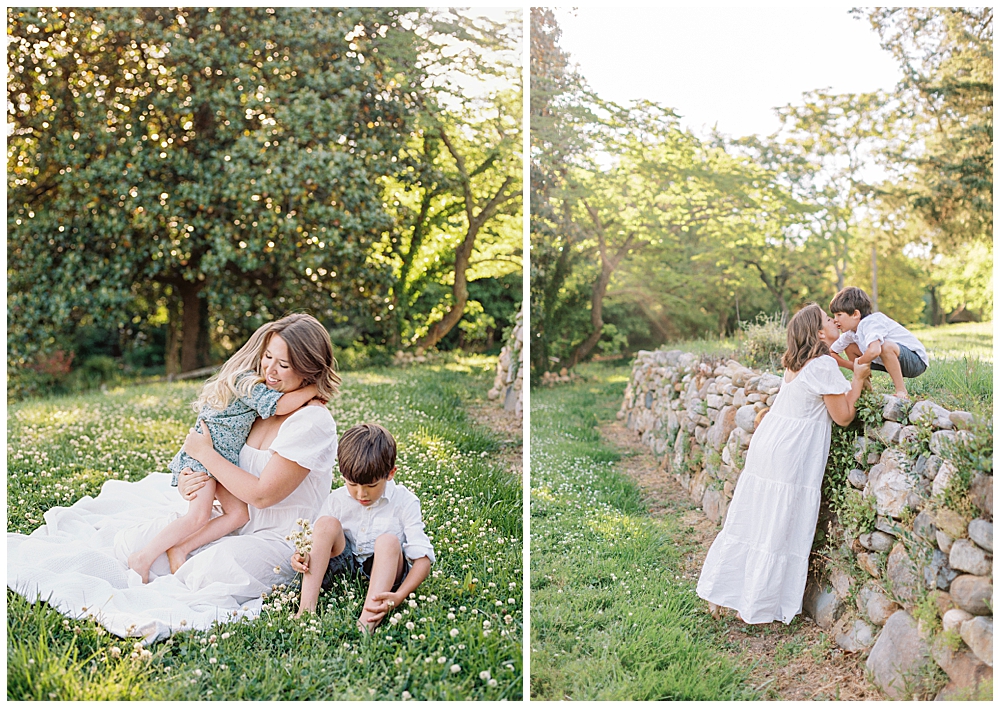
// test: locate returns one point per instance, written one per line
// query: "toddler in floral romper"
(229, 428)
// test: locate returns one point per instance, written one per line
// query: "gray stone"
(769, 383)
(887, 525)
(945, 576)
(724, 425)
(745, 417)
(920, 464)
(944, 541)
(649, 399)
(894, 408)
(951, 522)
(890, 485)
(875, 604)
(714, 401)
(933, 466)
(923, 526)
(951, 621)
(961, 419)
(941, 439)
(822, 604)
(861, 445)
(856, 637)
(973, 593)
(928, 411)
(931, 571)
(981, 531)
(841, 582)
(909, 433)
(945, 472)
(967, 556)
(881, 541)
(901, 572)
(857, 478)
(981, 493)
(714, 503)
(700, 434)
(899, 655)
(978, 634)
(965, 671)
(889, 432)
(869, 563)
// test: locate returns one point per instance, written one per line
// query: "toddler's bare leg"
(853, 351)
(890, 359)
(235, 515)
(328, 541)
(199, 511)
(387, 569)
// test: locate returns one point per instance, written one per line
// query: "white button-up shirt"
(397, 512)
(877, 327)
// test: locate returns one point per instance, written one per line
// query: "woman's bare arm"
(278, 479)
(841, 405)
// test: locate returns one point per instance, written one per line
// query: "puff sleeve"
(823, 377)
(308, 437)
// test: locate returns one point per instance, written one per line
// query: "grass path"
(460, 639)
(614, 614)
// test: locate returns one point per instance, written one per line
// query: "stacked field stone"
(915, 589)
(508, 384)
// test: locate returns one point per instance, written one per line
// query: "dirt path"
(508, 426)
(796, 663)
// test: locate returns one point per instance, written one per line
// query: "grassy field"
(960, 375)
(460, 639)
(612, 615)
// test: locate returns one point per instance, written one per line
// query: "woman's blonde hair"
(310, 354)
(803, 337)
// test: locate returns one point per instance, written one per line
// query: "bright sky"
(725, 66)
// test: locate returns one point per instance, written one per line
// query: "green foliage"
(971, 454)
(765, 341)
(66, 448)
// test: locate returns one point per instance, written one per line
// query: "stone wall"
(908, 578)
(508, 385)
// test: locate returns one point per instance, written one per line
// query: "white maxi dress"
(758, 563)
(76, 561)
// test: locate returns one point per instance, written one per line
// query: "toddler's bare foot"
(303, 611)
(902, 394)
(176, 557)
(137, 563)
(867, 385)
(714, 610)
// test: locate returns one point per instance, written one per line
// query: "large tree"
(224, 157)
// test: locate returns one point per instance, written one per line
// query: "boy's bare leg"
(387, 569)
(199, 511)
(890, 360)
(853, 351)
(328, 541)
(235, 515)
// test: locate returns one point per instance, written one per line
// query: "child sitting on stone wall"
(872, 338)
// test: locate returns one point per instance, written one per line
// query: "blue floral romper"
(230, 426)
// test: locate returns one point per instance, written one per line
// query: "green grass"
(468, 613)
(612, 616)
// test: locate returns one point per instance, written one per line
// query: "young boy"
(370, 525)
(871, 337)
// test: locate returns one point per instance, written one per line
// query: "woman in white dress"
(758, 563)
(76, 561)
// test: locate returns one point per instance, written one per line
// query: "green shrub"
(765, 341)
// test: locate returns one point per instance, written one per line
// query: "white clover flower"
(410, 626)
(406, 695)
(394, 620)
(455, 668)
(213, 660)
(453, 632)
(116, 652)
(484, 675)
(442, 659)
(486, 624)
(492, 683)
(226, 635)
(451, 615)
(197, 672)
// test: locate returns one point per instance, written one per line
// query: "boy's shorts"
(910, 364)
(348, 564)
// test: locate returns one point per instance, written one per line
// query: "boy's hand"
(381, 604)
(300, 563)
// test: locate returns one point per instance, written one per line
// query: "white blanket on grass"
(76, 562)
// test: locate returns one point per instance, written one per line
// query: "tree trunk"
(596, 320)
(874, 280)
(460, 292)
(191, 325)
(172, 356)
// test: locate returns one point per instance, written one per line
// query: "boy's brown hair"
(366, 453)
(850, 299)
(803, 338)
